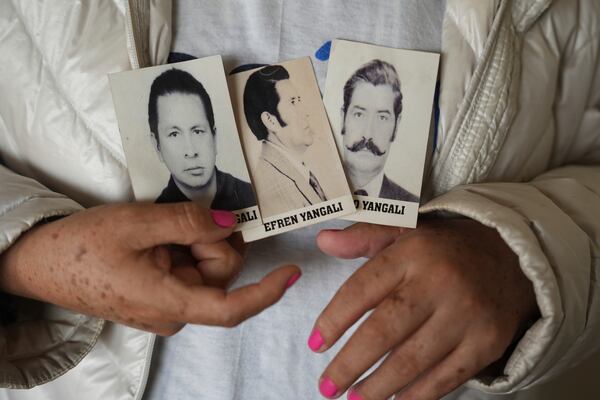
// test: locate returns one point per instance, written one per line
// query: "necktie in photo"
(361, 192)
(314, 183)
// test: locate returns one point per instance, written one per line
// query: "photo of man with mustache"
(371, 112)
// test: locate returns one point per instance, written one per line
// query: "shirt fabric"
(267, 357)
(232, 193)
(373, 187)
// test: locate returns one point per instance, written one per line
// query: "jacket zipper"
(131, 46)
(132, 51)
(147, 361)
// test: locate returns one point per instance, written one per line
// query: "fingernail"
(328, 388)
(224, 219)
(293, 280)
(316, 340)
(353, 395)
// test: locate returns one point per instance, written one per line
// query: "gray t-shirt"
(267, 357)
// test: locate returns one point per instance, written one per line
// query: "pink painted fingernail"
(316, 340)
(224, 219)
(293, 280)
(353, 395)
(328, 388)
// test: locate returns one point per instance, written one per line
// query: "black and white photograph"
(180, 137)
(380, 101)
(293, 160)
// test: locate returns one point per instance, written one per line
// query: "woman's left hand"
(448, 299)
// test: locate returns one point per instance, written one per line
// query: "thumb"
(182, 223)
(358, 240)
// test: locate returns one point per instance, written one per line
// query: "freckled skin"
(119, 262)
(81, 301)
(82, 251)
(448, 299)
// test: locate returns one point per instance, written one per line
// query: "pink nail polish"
(353, 395)
(293, 280)
(315, 342)
(224, 219)
(328, 388)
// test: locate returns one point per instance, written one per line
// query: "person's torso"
(266, 357)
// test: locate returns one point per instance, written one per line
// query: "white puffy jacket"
(518, 149)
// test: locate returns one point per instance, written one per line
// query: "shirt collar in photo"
(373, 187)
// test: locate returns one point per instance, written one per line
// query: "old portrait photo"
(293, 161)
(180, 137)
(379, 101)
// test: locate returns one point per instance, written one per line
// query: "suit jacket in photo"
(280, 187)
(391, 190)
(232, 193)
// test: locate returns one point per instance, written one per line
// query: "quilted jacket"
(518, 149)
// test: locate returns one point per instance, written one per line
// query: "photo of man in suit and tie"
(182, 123)
(277, 116)
(371, 113)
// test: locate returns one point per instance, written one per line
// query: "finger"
(218, 263)
(182, 223)
(424, 349)
(375, 337)
(457, 368)
(366, 288)
(212, 306)
(358, 240)
(162, 329)
(236, 240)
(162, 257)
(188, 275)
(183, 265)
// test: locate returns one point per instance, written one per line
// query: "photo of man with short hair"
(380, 105)
(371, 113)
(278, 118)
(182, 123)
(296, 170)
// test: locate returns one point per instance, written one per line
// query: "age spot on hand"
(82, 251)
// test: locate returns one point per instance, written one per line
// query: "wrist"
(16, 262)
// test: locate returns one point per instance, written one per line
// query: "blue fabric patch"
(323, 52)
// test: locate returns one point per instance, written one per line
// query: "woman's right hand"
(151, 266)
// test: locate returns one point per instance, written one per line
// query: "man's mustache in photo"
(368, 144)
